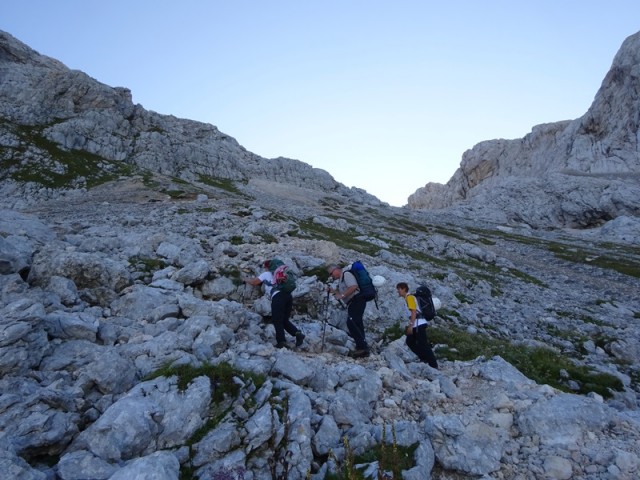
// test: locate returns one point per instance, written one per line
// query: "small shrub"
(225, 184)
(268, 238)
(147, 264)
(393, 332)
(392, 459)
(320, 273)
(234, 274)
(176, 194)
(341, 238)
(462, 298)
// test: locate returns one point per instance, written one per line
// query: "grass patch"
(392, 333)
(343, 239)
(225, 184)
(268, 238)
(224, 391)
(147, 264)
(540, 364)
(63, 168)
(462, 298)
(234, 274)
(221, 377)
(526, 278)
(392, 459)
(149, 181)
(320, 272)
(624, 264)
(578, 316)
(178, 194)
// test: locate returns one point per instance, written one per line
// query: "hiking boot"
(359, 353)
(299, 338)
(281, 345)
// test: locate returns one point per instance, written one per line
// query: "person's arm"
(346, 293)
(411, 302)
(412, 319)
(350, 283)
(253, 281)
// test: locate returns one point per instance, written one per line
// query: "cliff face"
(576, 173)
(49, 110)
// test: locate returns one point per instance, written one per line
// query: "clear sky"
(384, 95)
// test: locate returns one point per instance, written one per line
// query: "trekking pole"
(326, 318)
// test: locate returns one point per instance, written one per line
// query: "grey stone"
(83, 395)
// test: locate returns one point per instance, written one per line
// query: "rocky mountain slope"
(117, 302)
(578, 174)
(131, 348)
(49, 115)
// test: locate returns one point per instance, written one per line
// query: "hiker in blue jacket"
(349, 293)
(281, 306)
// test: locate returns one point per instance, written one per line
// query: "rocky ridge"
(50, 115)
(577, 174)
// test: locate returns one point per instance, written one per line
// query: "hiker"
(349, 293)
(281, 306)
(416, 329)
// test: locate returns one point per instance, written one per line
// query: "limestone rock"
(580, 174)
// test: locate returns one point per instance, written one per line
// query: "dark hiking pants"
(281, 305)
(355, 324)
(419, 344)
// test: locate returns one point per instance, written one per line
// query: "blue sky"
(384, 95)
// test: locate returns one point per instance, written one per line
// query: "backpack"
(365, 284)
(284, 280)
(425, 302)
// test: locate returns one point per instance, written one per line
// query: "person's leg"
(411, 342)
(423, 347)
(278, 313)
(290, 328)
(355, 323)
(287, 302)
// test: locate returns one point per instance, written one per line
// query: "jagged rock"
(91, 271)
(83, 464)
(154, 415)
(579, 174)
(158, 465)
(71, 325)
(37, 419)
(65, 288)
(22, 342)
(471, 447)
(14, 466)
(40, 95)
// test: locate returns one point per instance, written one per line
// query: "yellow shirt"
(412, 304)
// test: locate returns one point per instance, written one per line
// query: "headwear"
(378, 280)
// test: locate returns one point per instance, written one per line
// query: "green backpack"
(284, 280)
